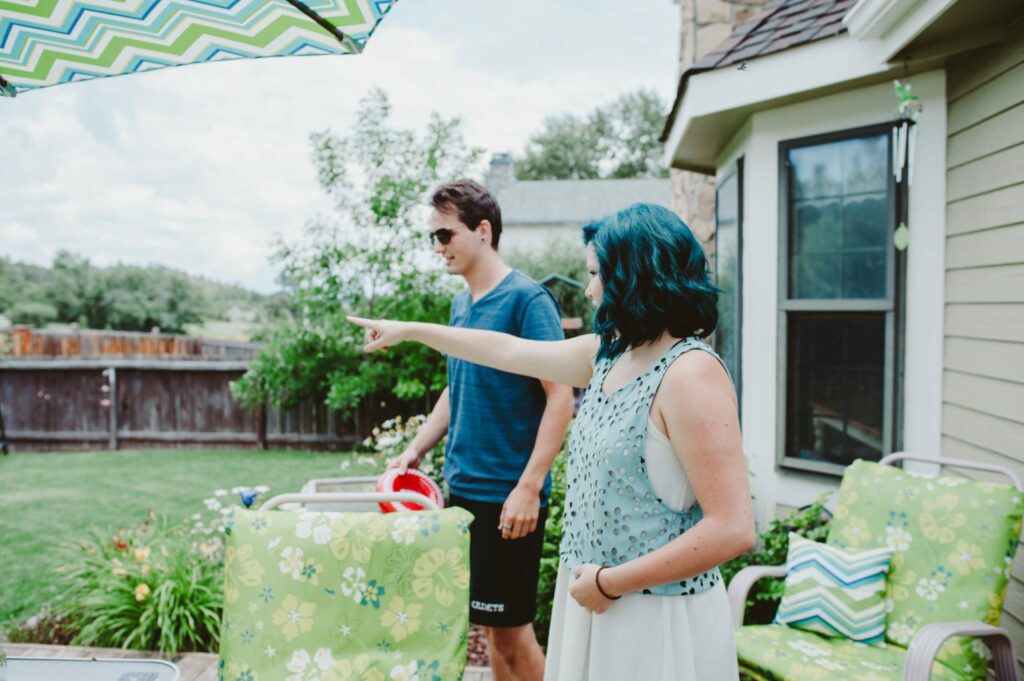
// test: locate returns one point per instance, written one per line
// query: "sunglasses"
(442, 235)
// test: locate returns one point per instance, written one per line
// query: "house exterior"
(846, 346)
(535, 212)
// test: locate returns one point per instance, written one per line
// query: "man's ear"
(483, 231)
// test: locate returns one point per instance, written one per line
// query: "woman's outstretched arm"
(569, 362)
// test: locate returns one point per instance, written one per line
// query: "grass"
(48, 499)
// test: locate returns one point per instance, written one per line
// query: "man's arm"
(430, 433)
(522, 507)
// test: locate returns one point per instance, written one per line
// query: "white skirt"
(654, 638)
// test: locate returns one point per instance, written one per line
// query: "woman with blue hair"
(657, 494)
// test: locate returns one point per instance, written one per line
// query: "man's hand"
(404, 461)
(520, 512)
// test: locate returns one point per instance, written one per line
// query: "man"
(503, 430)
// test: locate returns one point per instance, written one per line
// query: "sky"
(199, 168)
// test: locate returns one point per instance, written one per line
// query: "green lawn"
(47, 499)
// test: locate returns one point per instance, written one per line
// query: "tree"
(616, 140)
(371, 259)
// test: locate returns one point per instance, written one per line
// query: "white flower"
(354, 583)
(262, 489)
(315, 525)
(964, 605)
(405, 672)
(929, 589)
(272, 544)
(898, 538)
(807, 648)
(220, 493)
(979, 647)
(829, 664)
(889, 604)
(405, 529)
(901, 632)
(298, 663)
(197, 516)
(211, 504)
(291, 561)
(345, 630)
(270, 651)
(323, 659)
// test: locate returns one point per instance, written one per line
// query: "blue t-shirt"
(494, 414)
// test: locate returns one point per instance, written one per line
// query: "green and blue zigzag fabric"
(48, 42)
(835, 592)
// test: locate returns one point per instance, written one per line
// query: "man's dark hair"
(472, 203)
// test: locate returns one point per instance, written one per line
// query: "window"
(728, 268)
(840, 296)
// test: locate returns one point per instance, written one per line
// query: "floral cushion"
(953, 539)
(337, 596)
(773, 652)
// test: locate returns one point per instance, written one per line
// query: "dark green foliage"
(145, 588)
(373, 260)
(549, 555)
(616, 140)
(565, 257)
(811, 522)
(121, 297)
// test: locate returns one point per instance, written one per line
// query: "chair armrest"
(740, 585)
(925, 646)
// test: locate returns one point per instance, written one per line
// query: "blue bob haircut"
(655, 278)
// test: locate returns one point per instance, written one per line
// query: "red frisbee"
(410, 481)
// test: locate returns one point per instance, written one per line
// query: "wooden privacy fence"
(53, 404)
(27, 342)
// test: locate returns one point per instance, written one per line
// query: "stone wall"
(705, 24)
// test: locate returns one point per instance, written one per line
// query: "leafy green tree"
(560, 256)
(371, 259)
(616, 140)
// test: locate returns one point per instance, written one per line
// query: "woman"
(657, 493)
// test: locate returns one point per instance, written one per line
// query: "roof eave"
(716, 103)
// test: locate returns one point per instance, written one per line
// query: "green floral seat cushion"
(338, 596)
(953, 539)
(774, 652)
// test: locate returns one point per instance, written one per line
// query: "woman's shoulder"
(697, 365)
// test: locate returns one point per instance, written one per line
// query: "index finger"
(360, 321)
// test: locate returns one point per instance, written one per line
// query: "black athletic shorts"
(502, 572)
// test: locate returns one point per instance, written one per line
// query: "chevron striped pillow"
(835, 592)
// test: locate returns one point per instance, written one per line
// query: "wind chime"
(904, 145)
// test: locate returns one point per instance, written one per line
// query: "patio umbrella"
(49, 42)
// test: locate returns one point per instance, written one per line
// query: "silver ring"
(506, 527)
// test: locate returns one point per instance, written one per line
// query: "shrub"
(812, 522)
(32, 314)
(156, 586)
(549, 554)
(395, 434)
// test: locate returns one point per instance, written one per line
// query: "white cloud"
(199, 167)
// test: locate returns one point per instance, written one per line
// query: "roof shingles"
(779, 25)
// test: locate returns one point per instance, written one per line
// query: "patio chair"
(953, 542)
(364, 596)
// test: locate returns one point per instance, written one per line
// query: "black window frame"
(894, 306)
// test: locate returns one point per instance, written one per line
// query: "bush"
(156, 586)
(549, 554)
(811, 522)
(32, 314)
(395, 434)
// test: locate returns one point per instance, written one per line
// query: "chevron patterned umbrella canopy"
(49, 42)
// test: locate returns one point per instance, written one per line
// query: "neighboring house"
(846, 347)
(535, 212)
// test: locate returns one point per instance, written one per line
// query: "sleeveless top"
(612, 513)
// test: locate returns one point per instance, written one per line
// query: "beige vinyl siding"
(983, 361)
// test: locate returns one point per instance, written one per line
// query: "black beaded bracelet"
(597, 581)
